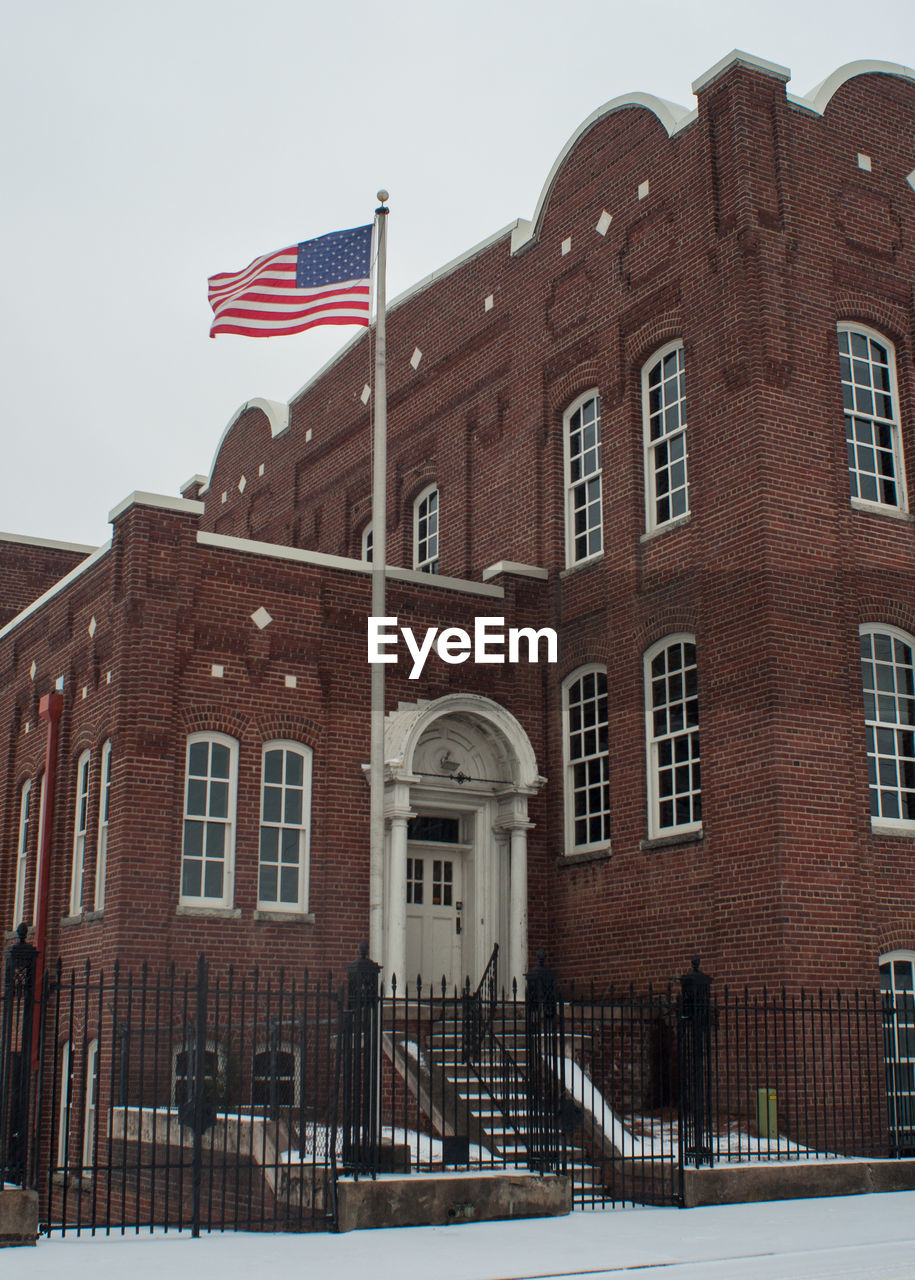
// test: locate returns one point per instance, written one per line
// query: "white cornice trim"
(737, 57)
(49, 543)
(515, 568)
(818, 98)
(321, 560)
(163, 501)
(672, 116)
(59, 586)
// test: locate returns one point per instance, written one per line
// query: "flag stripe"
(322, 281)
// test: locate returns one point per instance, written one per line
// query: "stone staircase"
(492, 1093)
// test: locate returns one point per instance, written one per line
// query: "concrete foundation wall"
(438, 1201)
(743, 1184)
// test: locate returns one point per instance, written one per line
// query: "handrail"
(479, 1008)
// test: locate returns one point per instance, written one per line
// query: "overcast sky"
(147, 145)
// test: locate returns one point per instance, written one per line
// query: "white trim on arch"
(888, 691)
(586, 759)
(427, 511)
(872, 422)
(665, 437)
(672, 737)
(80, 826)
(583, 477)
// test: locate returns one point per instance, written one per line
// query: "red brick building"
(733, 569)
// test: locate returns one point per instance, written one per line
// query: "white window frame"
(227, 822)
(22, 852)
(66, 1102)
(426, 545)
(90, 1107)
(577, 489)
(898, 1057)
(367, 542)
(654, 748)
(569, 764)
(80, 826)
(104, 806)
(660, 446)
(880, 762)
(872, 420)
(300, 832)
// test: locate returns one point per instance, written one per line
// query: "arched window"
(104, 806)
(275, 1076)
(587, 760)
(584, 502)
(282, 881)
(90, 1110)
(897, 982)
(888, 683)
(184, 1071)
(868, 370)
(22, 853)
(80, 822)
(672, 716)
(425, 531)
(666, 452)
(64, 1110)
(208, 849)
(367, 543)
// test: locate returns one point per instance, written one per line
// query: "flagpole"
(379, 561)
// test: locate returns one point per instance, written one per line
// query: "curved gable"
(819, 97)
(671, 115)
(246, 423)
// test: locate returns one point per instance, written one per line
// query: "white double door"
(435, 913)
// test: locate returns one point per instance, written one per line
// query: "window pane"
(273, 799)
(295, 769)
(190, 878)
(198, 756)
(266, 889)
(273, 766)
(269, 844)
(213, 880)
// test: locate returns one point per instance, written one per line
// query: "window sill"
(92, 916)
(676, 523)
(906, 832)
(285, 917)
(672, 841)
(581, 564)
(586, 856)
(67, 922)
(880, 509)
(209, 913)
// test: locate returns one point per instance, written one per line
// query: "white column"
(396, 930)
(517, 918)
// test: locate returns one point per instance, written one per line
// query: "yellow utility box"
(766, 1112)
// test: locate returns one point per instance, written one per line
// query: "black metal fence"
(213, 1100)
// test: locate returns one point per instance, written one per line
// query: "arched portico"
(458, 774)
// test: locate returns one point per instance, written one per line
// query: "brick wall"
(758, 233)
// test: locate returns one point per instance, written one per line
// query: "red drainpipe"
(49, 708)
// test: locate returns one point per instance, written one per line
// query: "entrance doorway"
(435, 899)
(453, 878)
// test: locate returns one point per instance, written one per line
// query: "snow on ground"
(844, 1238)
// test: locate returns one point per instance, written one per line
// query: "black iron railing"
(211, 1100)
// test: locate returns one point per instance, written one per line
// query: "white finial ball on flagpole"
(383, 196)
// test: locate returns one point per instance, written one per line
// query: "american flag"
(322, 281)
